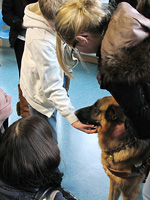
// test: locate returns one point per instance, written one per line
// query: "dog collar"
(126, 144)
(136, 171)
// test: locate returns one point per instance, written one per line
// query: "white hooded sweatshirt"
(41, 76)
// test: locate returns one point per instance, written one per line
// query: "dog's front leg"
(114, 192)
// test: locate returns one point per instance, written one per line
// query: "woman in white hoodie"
(41, 77)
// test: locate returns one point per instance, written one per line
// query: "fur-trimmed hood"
(125, 49)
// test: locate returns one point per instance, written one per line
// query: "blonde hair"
(49, 7)
(75, 17)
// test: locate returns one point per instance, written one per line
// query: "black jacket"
(125, 73)
(7, 192)
(13, 12)
(28, 191)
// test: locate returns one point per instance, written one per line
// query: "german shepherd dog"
(125, 158)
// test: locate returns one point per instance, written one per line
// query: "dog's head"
(104, 113)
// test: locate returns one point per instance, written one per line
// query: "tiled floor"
(81, 156)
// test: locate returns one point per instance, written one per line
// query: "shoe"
(67, 195)
(20, 111)
(22, 105)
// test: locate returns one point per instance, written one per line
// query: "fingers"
(84, 127)
(90, 129)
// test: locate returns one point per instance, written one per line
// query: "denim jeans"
(52, 120)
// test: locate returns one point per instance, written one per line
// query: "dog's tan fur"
(106, 113)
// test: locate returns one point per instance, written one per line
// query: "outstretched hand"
(87, 128)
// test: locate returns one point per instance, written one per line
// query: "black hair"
(28, 153)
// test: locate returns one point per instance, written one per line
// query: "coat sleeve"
(134, 100)
(48, 69)
(9, 15)
(124, 70)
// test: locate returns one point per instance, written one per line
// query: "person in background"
(41, 78)
(89, 27)
(29, 160)
(13, 12)
(5, 111)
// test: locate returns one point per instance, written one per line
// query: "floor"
(81, 156)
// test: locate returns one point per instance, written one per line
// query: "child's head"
(28, 152)
(49, 8)
(5, 106)
(77, 16)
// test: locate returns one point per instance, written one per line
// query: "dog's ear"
(144, 8)
(114, 114)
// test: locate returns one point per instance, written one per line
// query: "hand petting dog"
(87, 128)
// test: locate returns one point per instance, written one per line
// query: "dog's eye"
(96, 109)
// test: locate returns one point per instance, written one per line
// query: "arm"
(134, 100)
(125, 67)
(43, 52)
(13, 14)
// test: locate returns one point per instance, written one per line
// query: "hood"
(130, 65)
(125, 48)
(33, 18)
(127, 28)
